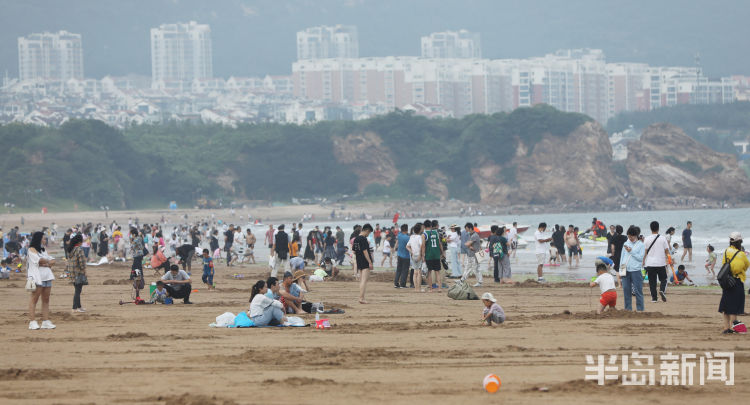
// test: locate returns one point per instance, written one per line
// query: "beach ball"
(491, 383)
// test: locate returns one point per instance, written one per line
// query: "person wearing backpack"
(655, 261)
(733, 298)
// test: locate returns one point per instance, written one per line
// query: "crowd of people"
(426, 255)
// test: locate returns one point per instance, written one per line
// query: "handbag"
(624, 266)
(81, 279)
(30, 285)
(725, 278)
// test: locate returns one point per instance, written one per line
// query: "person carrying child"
(160, 293)
(208, 270)
(492, 314)
(710, 261)
(607, 286)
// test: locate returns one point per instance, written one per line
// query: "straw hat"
(298, 274)
(488, 296)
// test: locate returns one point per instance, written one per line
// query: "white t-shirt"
(655, 257)
(415, 242)
(512, 235)
(606, 282)
(386, 247)
(453, 239)
(540, 247)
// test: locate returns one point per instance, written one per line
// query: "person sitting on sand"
(330, 267)
(264, 311)
(300, 278)
(291, 295)
(492, 314)
(681, 275)
(607, 286)
(273, 288)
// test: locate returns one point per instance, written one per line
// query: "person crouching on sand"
(607, 286)
(492, 314)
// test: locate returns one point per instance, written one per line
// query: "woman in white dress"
(39, 269)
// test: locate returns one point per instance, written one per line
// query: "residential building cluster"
(330, 81)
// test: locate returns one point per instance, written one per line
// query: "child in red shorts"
(607, 286)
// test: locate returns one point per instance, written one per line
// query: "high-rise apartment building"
(452, 44)
(50, 56)
(340, 41)
(181, 52)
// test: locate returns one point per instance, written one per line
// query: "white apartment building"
(452, 44)
(339, 41)
(50, 56)
(180, 52)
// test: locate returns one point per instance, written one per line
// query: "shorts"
(540, 258)
(387, 254)
(362, 264)
(609, 298)
(573, 250)
(415, 264)
(561, 250)
(513, 245)
(433, 264)
(47, 284)
(687, 245)
(270, 246)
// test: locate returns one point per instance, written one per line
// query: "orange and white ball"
(492, 383)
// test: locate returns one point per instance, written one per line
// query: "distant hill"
(531, 155)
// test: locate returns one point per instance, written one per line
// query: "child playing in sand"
(607, 286)
(160, 293)
(208, 270)
(492, 314)
(710, 261)
(681, 275)
(4, 269)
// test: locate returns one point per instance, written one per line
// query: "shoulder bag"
(725, 278)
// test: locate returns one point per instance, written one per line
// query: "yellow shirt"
(739, 264)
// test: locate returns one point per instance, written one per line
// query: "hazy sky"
(257, 37)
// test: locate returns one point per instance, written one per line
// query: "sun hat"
(489, 297)
(298, 274)
(454, 226)
(735, 236)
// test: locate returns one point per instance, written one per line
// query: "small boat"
(484, 230)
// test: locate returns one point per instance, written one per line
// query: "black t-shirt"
(184, 250)
(558, 238)
(281, 245)
(230, 236)
(360, 246)
(618, 241)
(214, 244)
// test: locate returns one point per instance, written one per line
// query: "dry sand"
(403, 347)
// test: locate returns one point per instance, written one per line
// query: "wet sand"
(403, 347)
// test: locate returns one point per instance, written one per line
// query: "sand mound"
(611, 314)
(535, 284)
(31, 374)
(12, 285)
(191, 399)
(117, 282)
(300, 381)
(67, 316)
(590, 386)
(224, 304)
(119, 337)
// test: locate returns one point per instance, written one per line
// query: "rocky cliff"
(666, 162)
(566, 169)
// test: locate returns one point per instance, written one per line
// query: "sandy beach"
(403, 347)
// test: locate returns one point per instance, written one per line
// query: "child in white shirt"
(607, 287)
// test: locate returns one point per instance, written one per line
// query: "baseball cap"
(488, 296)
(735, 236)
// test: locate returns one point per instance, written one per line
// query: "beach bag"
(30, 285)
(294, 321)
(497, 250)
(725, 278)
(243, 321)
(624, 266)
(462, 291)
(224, 320)
(739, 327)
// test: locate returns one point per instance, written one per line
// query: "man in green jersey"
(433, 252)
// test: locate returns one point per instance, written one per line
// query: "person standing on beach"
(571, 240)
(541, 248)
(281, 251)
(473, 246)
(269, 240)
(402, 257)
(433, 253)
(414, 246)
(39, 270)
(631, 258)
(733, 299)
(687, 243)
(655, 261)
(617, 240)
(228, 241)
(513, 239)
(363, 254)
(454, 239)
